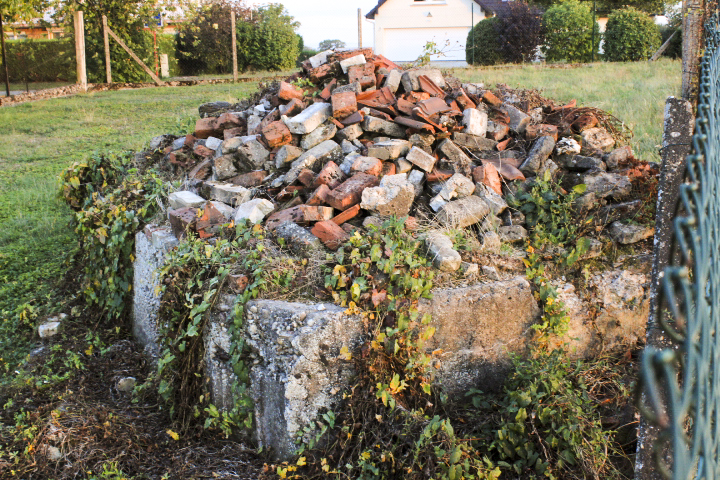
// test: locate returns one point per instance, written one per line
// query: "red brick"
(464, 101)
(182, 220)
(330, 175)
(202, 151)
(501, 131)
(330, 234)
(319, 196)
(287, 92)
(205, 127)
(206, 225)
(584, 122)
(288, 193)
(348, 214)
(356, 117)
(534, 131)
(327, 91)
(369, 165)
(306, 177)
(490, 98)
(233, 132)
(411, 223)
(344, 104)
(492, 178)
(277, 134)
(439, 175)
(249, 180)
(349, 192)
(238, 283)
(202, 170)
(299, 214)
(503, 145)
(296, 201)
(337, 123)
(319, 74)
(388, 168)
(189, 141)
(294, 107)
(228, 120)
(478, 174)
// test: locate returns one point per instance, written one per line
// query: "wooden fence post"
(80, 49)
(234, 46)
(106, 40)
(4, 57)
(135, 57)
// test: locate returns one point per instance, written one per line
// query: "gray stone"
(490, 272)
(318, 155)
(460, 162)
(299, 239)
(394, 196)
(496, 202)
(512, 234)
(185, 199)
(151, 247)
(473, 142)
(303, 366)
(463, 213)
(225, 192)
(424, 141)
(549, 169)
(519, 120)
(253, 123)
(350, 133)
(286, 155)
(126, 384)
(437, 202)
(351, 62)
(224, 167)
(411, 83)
(255, 210)
(402, 165)
(473, 88)
(491, 241)
(457, 186)
(475, 121)
(319, 59)
(49, 329)
(617, 156)
(213, 109)
(348, 162)
(629, 234)
(603, 184)
(617, 211)
(469, 269)
(354, 87)
(378, 125)
(324, 132)
(393, 80)
(372, 220)
(252, 154)
(417, 178)
(389, 150)
(540, 152)
(421, 159)
(440, 249)
(309, 119)
(567, 146)
(213, 143)
(162, 141)
(594, 139)
(477, 330)
(348, 147)
(579, 163)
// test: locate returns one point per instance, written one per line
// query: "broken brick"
(306, 177)
(584, 122)
(205, 127)
(294, 107)
(534, 131)
(202, 151)
(330, 234)
(490, 98)
(439, 175)
(330, 175)
(228, 120)
(238, 283)
(182, 220)
(319, 74)
(491, 178)
(299, 214)
(327, 91)
(344, 104)
(277, 134)
(288, 91)
(368, 165)
(353, 119)
(349, 192)
(249, 180)
(288, 193)
(319, 196)
(202, 170)
(388, 168)
(348, 214)
(233, 132)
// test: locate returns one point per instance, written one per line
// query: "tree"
(630, 35)
(127, 18)
(13, 10)
(569, 32)
(270, 41)
(331, 45)
(481, 47)
(519, 31)
(608, 6)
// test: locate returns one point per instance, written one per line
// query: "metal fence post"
(4, 57)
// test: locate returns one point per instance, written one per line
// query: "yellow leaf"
(345, 354)
(302, 461)
(89, 351)
(174, 435)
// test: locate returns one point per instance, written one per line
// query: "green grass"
(40, 139)
(633, 92)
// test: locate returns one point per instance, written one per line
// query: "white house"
(403, 27)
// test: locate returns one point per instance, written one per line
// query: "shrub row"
(566, 35)
(39, 61)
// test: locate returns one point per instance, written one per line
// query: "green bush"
(40, 61)
(166, 45)
(482, 47)
(270, 43)
(631, 35)
(569, 32)
(674, 50)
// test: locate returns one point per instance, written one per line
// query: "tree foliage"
(331, 45)
(127, 18)
(270, 41)
(519, 31)
(608, 6)
(630, 35)
(13, 10)
(482, 47)
(569, 32)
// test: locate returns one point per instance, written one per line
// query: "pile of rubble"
(354, 138)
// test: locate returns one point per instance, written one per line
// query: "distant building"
(403, 27)
(33, 31)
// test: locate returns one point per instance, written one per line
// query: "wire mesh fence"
(682, 383)
(37, 64)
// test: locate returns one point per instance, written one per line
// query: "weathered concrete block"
(185, 199)
(309, 119)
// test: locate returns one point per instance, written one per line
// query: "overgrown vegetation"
(39, 61)
(630, 35)
(569, 32)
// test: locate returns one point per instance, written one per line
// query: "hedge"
(482, 46)
(40, 61)
(630, 36)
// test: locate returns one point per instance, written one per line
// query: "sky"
(329, 19)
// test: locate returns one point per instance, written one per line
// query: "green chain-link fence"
(682, 383)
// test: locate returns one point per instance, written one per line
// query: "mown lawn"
(633, 92)
(40, 139)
